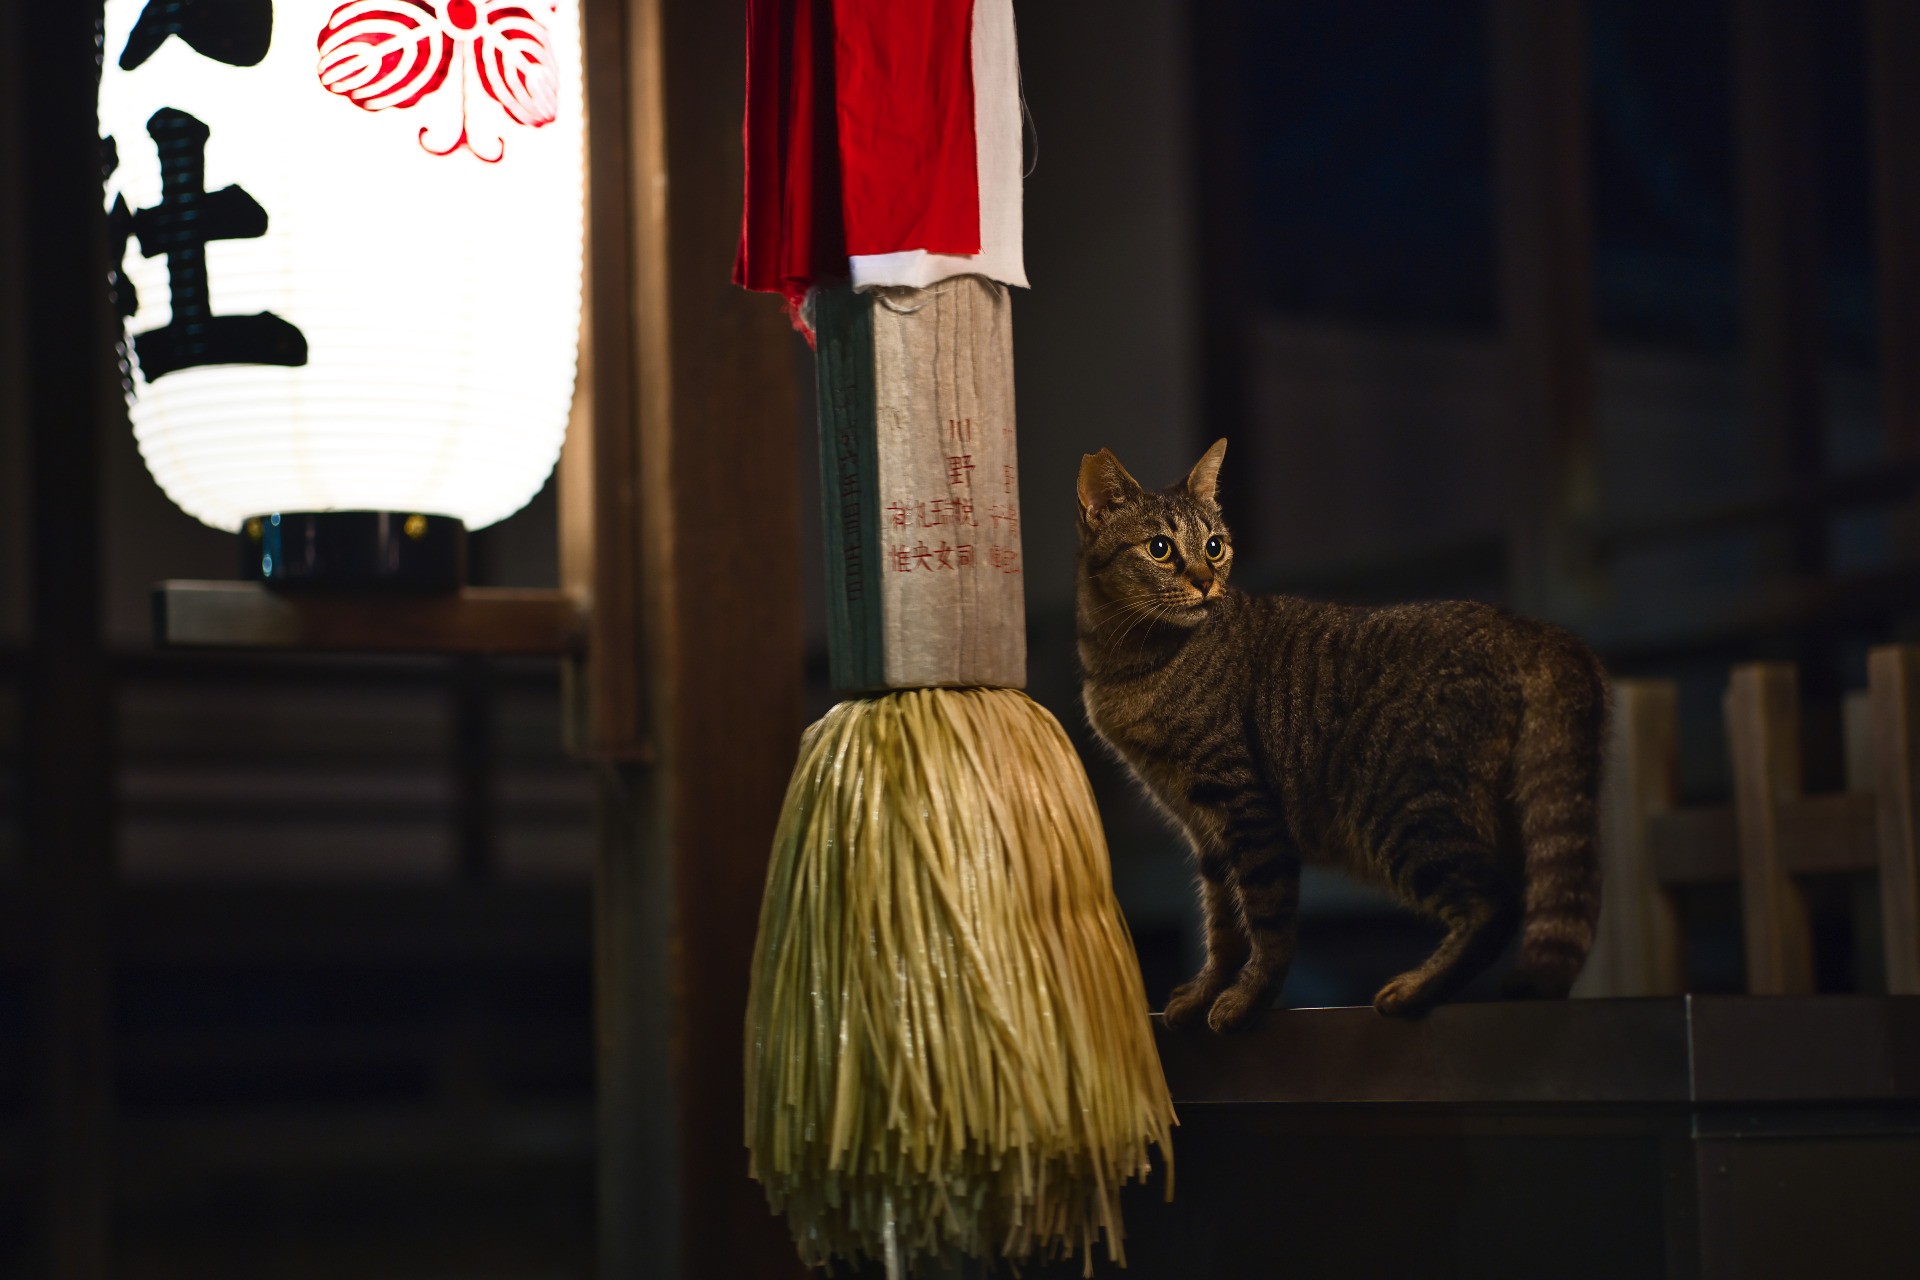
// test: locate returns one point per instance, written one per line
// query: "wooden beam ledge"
(485, 620)
(1678, 1050)
(1693, 1137)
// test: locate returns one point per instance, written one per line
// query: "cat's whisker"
(1131, 611)
(1153, 612)
(1121, 606)
(1125, 624)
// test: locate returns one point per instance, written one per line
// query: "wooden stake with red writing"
(920, 486)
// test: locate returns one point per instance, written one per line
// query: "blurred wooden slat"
(324, 1047)
(1544, 225)
(1893, 51)
(1763, 729)
(262, 1141)
(1777, 151)
(1798, 497)
(240, 924)
(1893, 678)
(1856, 733)
(1640, 949)
(1731, 624)
(1818, 835)
(476, 620)
(1694, 846)
(1828, 834)
(350, 925)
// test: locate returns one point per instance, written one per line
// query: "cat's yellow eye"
(1215, 547)
(1160, 548)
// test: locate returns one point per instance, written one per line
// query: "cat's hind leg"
(1452, 876)
(1227, 947)
(1266, 888)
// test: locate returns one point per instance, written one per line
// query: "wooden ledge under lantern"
(506, 621)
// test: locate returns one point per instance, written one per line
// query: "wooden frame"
(1772, 834)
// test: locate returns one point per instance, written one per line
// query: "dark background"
(344, 970)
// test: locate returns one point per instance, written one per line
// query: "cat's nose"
(1202, 585)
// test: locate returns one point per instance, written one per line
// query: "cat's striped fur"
(1449, 752)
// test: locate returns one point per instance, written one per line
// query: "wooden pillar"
(68, 783)
(1893, 43)
(1763, 731)
(919, 473)
(1545, 230)
(1893, 700)
(1640, 950)
(682, 526)
(1776, 138)
(1223, 252)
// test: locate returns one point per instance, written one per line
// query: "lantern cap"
(350, 552)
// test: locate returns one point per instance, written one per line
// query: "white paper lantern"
(353, 231)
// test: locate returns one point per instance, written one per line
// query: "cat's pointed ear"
(1104, 485)
(1203, 481)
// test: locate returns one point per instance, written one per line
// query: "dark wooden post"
(1223, 248)
(1893, 42)
(1776, 137)
(682, 524)
(1546, 290)
(1763, 732)
(68, 699)
(1893, 677)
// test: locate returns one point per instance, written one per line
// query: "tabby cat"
(1448, 752)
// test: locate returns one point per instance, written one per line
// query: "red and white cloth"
(882, 144)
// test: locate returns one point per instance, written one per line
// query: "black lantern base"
(355, 552)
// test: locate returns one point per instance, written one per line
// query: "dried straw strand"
(947, 1038)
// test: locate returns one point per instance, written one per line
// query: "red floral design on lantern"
(381, 54)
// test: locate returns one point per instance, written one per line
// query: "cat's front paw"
(1407, 996)
(1189, 1001)
(1236, 1009)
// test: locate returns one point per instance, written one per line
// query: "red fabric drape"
(858, 137)
(903, 74)
(791, 233)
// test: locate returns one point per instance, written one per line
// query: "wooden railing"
(1769, 839)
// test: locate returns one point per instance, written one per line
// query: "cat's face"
(1152, 558)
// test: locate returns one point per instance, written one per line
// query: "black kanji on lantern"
(236, 32)
(187, 217)
(119, 230)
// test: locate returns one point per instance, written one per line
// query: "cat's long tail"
(1556, 791)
